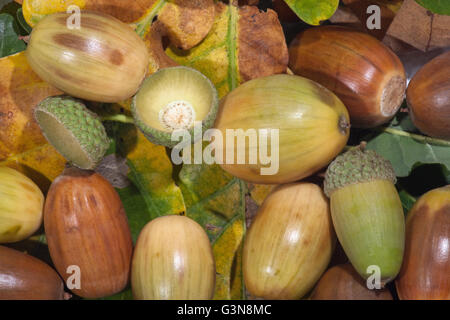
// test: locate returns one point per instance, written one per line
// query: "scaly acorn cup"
(76, 132)
(21, 206)
(367, 212)
(175, 99)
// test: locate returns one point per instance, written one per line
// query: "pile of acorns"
(342, 76)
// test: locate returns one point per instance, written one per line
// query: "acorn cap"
(357, 166)
(76, 132)
(173, 99)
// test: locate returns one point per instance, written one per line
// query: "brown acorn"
(365, 74)
(428, 97)
(86, 227)
(342, 282)
(425, 272)
(23, 277)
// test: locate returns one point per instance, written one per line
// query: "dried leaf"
(187, 22)
(313, 11)
(244, 43)
(22, 145)
(150, 171)
(420, 28)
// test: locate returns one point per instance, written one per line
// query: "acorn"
(299, 125)
(23, 277)
(367, 212)
(74, 131)
(174, 99)
(364, 73)
(289, 244)
(21, 206)
(102, 59)
(173, 260)
(425, 273)
(87, 232)
(428, 97)
(342, 282)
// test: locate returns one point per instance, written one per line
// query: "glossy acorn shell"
(289, 244)
(104, 60)
(342, 282)
(425, 273)
(313, 126)
(369, 222)
(23, 277)
(428, 98)
(86, 226)
(173, 260)
(21, 206)
(365, 74)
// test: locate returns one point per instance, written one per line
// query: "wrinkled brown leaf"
(420, 28)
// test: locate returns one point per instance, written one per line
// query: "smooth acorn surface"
(173, 260)
(289, 243)
(304, 125)
(428, 97)
(369, 222)
(104, 60)
(365, 74)
(342, 282)
(21, 206)
(86, 226)
(425, 273)
(23, 277)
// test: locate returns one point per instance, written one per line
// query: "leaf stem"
(118, 118)
(418, 137)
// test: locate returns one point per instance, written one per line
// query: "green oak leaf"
(436, 6)
(313, 11)
(9, 36)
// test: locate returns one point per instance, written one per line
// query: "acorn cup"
(367, 212)
(425, 272)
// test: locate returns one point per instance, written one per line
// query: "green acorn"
(75, 132)
(367, 212)
(174, 99)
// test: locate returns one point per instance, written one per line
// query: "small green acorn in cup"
(367, 212)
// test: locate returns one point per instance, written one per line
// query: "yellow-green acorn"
(75, 131)
(367, 212)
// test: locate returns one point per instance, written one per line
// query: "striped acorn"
(367, 212)
(76, 132)
(173, 260)
(87, 227)
(21, 206)
(102, 60)
(289, 244)
(364, 73)
(425, 273)
(301, 123)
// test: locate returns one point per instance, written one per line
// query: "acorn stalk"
(367, 212)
